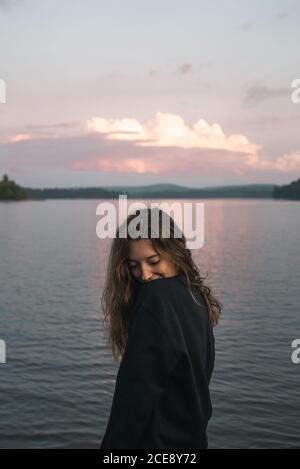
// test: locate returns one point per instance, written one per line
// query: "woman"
(159, 315)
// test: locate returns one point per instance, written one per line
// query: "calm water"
(56, 387)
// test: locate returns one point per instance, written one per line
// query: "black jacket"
(161, 397)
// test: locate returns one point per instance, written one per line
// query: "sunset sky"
(132, 92)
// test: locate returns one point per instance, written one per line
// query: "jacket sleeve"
(143, 374)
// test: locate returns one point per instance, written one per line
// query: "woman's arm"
(142, 377)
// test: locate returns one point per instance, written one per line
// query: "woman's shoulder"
(167, 297)
(156, 294)
(168, 303)
(161, 289)
(165, 288)
(155, 307)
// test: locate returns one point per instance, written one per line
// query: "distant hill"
(151, 188)
(70, 193)
(290, 191)
(9, 190)
(152, 191)
(161, 191)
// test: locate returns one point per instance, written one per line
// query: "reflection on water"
(57, 385)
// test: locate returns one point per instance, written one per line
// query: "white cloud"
(288, 162)
(170, 130)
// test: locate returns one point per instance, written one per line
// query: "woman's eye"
(133, 266)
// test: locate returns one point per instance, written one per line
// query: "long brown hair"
(119, 288)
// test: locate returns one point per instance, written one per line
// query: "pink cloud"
(163, 145)
(8, 140)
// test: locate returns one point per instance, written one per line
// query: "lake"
(57, 383)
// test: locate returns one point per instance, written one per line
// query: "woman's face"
(145, 264)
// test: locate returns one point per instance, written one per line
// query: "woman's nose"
(146, 274)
